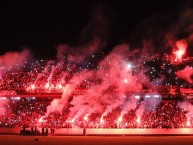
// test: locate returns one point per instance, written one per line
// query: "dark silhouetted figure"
(46, 133)
(84, 131)
(32, 131)
(43, 130)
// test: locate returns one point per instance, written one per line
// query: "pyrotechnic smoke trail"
(57, 105)
(114, 72)
(187, 106)
(140, 111)
(50, 76)
(40, 75)
(149, 104)
(128, 105)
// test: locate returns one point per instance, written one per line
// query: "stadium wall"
(100, 131)
(69, 131)
(4, 130)
(180, 131)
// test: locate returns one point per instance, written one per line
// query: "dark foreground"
(95, 140)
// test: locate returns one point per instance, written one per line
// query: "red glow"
(102, 120)
(138, 120)
(73, 120)
(185, 74)
(110, 89)
(126, 81)
(47, 85)
(33, 86)
(120, 118)
(180, 50)
(59, 86)
(86, 117)
(188, 123)
(41, 120)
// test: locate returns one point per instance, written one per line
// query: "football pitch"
(95, 140)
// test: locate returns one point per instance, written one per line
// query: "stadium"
(94, 72)
(47, 95)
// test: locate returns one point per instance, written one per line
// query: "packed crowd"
(51, 76)
(40, 77)
(29, 114)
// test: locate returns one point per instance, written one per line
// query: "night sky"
(41, 25)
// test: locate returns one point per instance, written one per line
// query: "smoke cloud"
(187, 106)
(130, 104)
(114, 78)
(185, 74)
(10, 59)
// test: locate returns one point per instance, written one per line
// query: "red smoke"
(184, 91)
(10, 59)
(187, 106)
(185, 74)
(13, 58)
(113, 72)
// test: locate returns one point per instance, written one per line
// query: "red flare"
(138, 120)
(180, 50)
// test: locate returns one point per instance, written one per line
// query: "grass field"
(95, 140)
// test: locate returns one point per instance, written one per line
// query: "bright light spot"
(188, 123)
(156, 96)
(147, 96)
(47, 85)
(179, 54)
(120, 118)
(72, 120)
(59, 86)
(181, 49)
(102, 120)
(32, 87)
(86, 117)
(138, 119)
(129, 66)
(3, 98)
(126, 81)
(137, 97)
(41, 120)
(15, 98)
